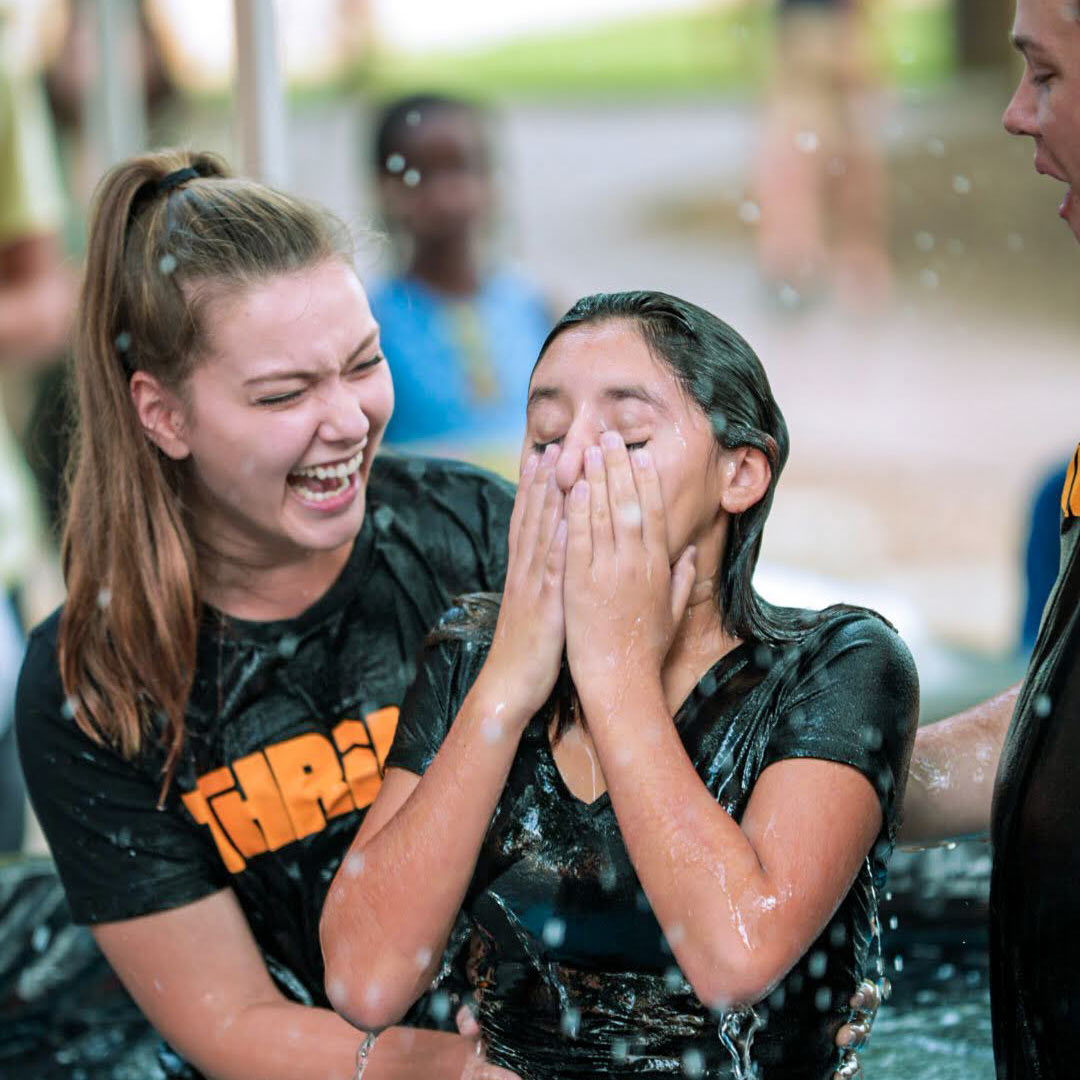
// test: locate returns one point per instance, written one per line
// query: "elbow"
(362, 997)
(726, 981)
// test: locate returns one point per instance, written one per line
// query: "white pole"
(116, 104)
(260, 97)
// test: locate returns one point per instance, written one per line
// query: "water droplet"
(40, 938)
(423, 957)
(411, 177)
(823, 999)
(69, 708)
(789, 296)
(104, 598)
(894, 922)
(167, 263)
(554, 932)
(961, 184)
(838, 934)
(935, 147)
(693, 1063)
(620, 1050)
(929, 279)
(383, 518)
(924, 241)
(123, 341)
(1042, 706)
(674, 934)
(816, 964)
(440, 1005)
(957, 247)
(412, 117)
(673, 979)
(749, 212)
(354, 864)
(807, 141)
(287, 646)
(898, 963)
(395, 163)
(337, 992)
(570, 1023)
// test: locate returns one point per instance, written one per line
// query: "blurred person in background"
(819, 179)
(37, 298)
(461, 329)
(1008, 766)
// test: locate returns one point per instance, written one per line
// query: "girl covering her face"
(664, 805)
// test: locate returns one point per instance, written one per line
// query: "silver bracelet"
(362, 1052)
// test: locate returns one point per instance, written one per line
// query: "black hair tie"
(175, 179)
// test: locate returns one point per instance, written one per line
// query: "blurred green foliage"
(718, 49)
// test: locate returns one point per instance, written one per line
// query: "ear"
(747, 474)
(161, 414)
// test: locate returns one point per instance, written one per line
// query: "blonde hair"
(157, 252)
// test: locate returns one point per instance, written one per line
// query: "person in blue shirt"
(461, 335)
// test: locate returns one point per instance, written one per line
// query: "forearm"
(711, 895)
(287, 1041)
(394, 901)
(954, 764)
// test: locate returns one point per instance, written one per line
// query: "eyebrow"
(306, 373)
(633, 392)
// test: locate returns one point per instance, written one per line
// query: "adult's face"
(1046, 104)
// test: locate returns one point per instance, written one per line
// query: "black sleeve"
(118, 855)
(447, 670)
(856, 701)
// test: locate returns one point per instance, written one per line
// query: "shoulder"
(857, 642)
(39, 677)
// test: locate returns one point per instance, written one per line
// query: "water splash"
(736, 1032)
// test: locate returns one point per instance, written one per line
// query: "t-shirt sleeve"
(447, 669)
(118, 856)
(856, 701)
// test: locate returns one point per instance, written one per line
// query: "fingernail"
(551, 452)
(530, 463)
(610, 440)
(593, 455)
(579, 492)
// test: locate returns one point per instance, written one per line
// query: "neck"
(249, 585)
(698, 643)
(448, 267)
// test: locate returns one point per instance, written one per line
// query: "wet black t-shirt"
(287, 728)
(1035, 887)
(574, 977)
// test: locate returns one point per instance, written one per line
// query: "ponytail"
(129, 627)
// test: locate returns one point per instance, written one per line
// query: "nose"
(571, 464)
(1020, 117)
(343, 418)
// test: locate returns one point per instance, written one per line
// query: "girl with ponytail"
(204, 722)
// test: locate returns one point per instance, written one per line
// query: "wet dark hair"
(394, 119)
(722, 375)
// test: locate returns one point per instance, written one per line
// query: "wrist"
(496, 705)
(608, 695)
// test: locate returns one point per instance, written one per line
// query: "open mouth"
(321, 483)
